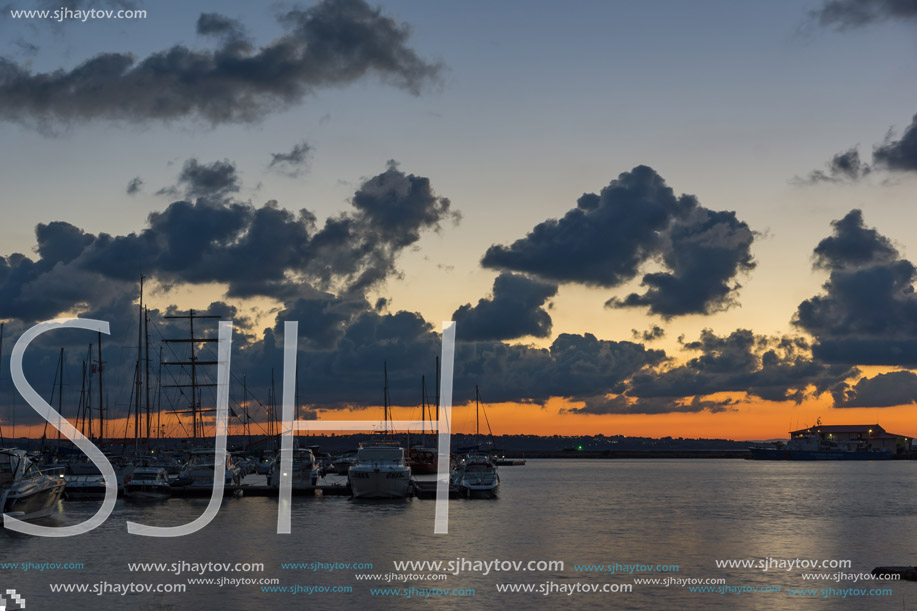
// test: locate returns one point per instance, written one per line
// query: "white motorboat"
(341, 465)
(198, 472)
(27, 492)
(149, 483)
(380, 473)
(304, 474)
(475, 475)
(84, 487)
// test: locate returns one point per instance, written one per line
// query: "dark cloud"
(134, 186)
(653, 333)
(853, 244)
(705, 253)
(602, 241)
(322, 319)
(607, 238)
(292, 163)
(350, 371)
(217, 180)
(846, 167)
(773, 369)
(657, 405)
(867, 314)
(332, 43)
(263, 250)
(515, 310)
(894, 155)
(883, 390)
(843, 14)
(899, 155)
(214, 24)
(342, 349)
(120, 355)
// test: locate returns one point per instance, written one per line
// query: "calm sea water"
(687, 513)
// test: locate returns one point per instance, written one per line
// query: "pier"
(422, 490)
(269, 491)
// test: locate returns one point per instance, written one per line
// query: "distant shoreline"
(598, 454)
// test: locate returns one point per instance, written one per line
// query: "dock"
(268, 491)
(422, 490)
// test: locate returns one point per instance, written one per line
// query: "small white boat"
(84, 487)
(198, 472)
(380, 473)
(84, 481)
(149, 483)
(475, 475)
(27, 492)
(304, 474)
(341, 465)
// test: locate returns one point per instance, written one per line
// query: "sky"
(655, 218)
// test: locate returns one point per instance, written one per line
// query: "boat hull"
(147, 492)
(479, 492)
(380, 484)
(84, 487)
(299, 481)
(34, 502)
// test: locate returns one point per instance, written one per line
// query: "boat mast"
(247, 431)
(477, 413)
(193, 363)
(273, 413)
(159, 397)
(423, 410)
(88, 405)
(81, 410)
(146, 344)
(60, 399)
(101, 409)
(385, 394)
(138, 381)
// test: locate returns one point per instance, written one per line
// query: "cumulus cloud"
(264, 250)
(653, 333)
(853, 244)
(770, 368)
(606, 239)
(705, 253)
(323, 318)
(332, 43)
(883, 390)
(515, 310)
(656, 405)
(214, 180)
(220, 26)
(294, 162)
(899, 155)
(843, 14)
(350, 373)
(867, 313)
